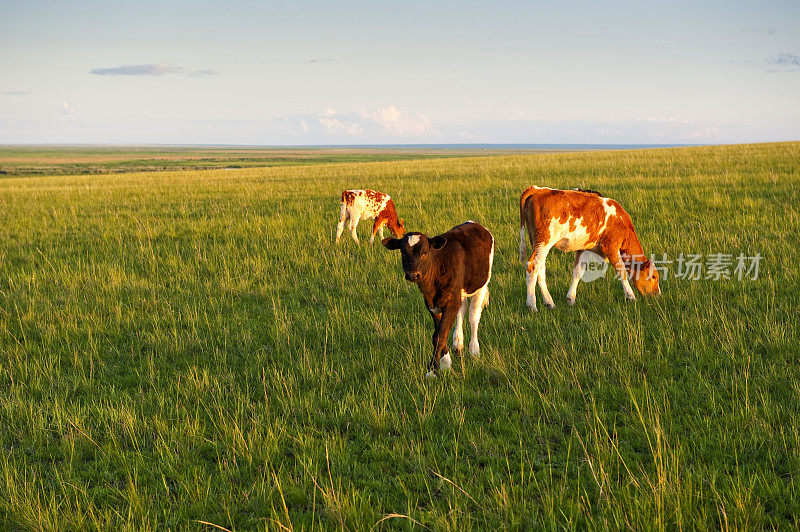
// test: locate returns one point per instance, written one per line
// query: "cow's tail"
(523, 219)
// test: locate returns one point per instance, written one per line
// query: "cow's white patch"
(413, 240)
(491, 260)
(382, 205)
(445, 362)
(564, 239)
(611, 210)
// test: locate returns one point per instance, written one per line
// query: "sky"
(352, 72)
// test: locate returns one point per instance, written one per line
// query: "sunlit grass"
(189, 347)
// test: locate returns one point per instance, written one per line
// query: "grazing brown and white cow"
(367, 204)
(450, 269)
(580, 220)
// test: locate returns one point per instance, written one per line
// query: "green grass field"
(190, 350)
(27, 161)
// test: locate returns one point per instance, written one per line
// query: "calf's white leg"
(619, 266)
(475, 309)
(546, 297)
(342, 219)
(458, 331)
(530, 282)
(534, 272)
(577, 273)
(353, 224)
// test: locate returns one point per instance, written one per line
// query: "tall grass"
(189, 349)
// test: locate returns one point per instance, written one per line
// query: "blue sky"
(302, 72)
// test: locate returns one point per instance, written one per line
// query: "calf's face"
(646, 279)
(416, 250)
(400, 230)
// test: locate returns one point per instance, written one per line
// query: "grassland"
(189, 350)
(27, 161)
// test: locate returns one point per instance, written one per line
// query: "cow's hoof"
(430, 375)
(571, 302)
(550, 306)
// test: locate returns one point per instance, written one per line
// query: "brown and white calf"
(367, 204)
(450, 270)
(579, 220)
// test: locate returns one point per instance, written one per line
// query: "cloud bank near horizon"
(153, 69)
(387, 122)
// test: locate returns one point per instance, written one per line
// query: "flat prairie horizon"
(17, 160)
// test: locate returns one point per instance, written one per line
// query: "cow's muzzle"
(413, 276)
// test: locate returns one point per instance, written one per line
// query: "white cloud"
(333, 125)
(669, 120)
(396, 122)
(68, 110)
(703, 134)
(157, 69)
(384, 123)
(787, 60)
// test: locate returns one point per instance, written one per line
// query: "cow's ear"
(391, 243)
(438, 242)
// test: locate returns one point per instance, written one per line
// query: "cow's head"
(400, 230)
(416, 250)
(645, 277)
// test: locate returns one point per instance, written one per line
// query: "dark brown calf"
(449, 269)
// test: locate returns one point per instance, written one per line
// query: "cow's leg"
(380, 232)
(342, 220)
(619, 266)
(353, 224)
(577, 272)
(458, 333)
(534, 268)
(476, 307)
(441, 357)
(530, 281)
(546, 297)
(376, 226)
